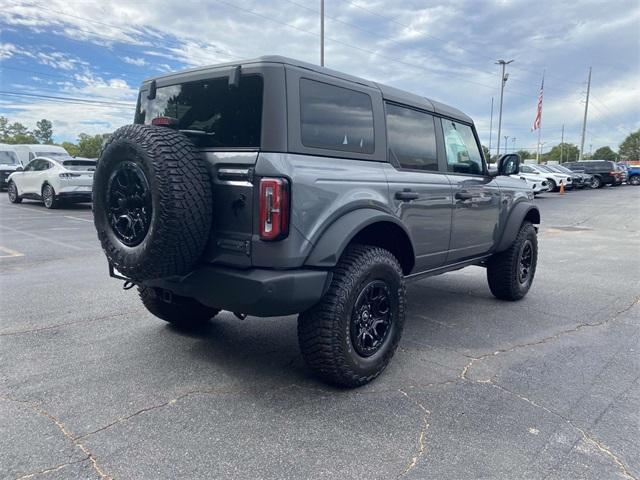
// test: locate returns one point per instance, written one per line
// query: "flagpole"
(538, 152)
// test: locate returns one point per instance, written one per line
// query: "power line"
(68, 99)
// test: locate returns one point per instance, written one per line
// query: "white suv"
(53, 181)
(555, 179)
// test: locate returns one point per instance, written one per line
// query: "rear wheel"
(49, 196)
(349, 337)
(179, 311)
(510, 273)
(596, 182)
(12, 191)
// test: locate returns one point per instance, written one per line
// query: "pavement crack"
(51, 469)
(59, 325)
(542, 341)
(65, 431)
(423, 432)
(586, 436)
(158, 406)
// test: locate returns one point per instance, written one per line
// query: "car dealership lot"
(91, 385)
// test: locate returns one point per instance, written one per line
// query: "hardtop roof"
(389, 93)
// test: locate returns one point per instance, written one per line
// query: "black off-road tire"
(179, 199)
(12, 193)
(503, 269)
(181, 311)
(324, 331)
(49, 197)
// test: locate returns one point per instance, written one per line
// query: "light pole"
(513, 140)
(503, 80)
(506, 137)
(322, 33)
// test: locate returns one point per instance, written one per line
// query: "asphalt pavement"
(92, 386)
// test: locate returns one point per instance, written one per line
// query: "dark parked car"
(604, 172)
(274, 187)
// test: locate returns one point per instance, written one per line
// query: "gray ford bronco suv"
(274, 187)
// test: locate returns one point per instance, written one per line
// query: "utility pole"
(506, 137)
(322, 33)
(584, 121)
(503, 80)
(562, 144)
(513, 140)
(490, 130)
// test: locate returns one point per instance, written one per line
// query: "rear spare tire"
(152, 202)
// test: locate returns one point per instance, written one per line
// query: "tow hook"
(241, 316)
(128, 285)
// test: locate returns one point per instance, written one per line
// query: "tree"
(4, 129)
(567, 151)
(604, 153)
(72, 148)
(486, 153)
(630, 148)
(44, 131)
(523, 154)
(90, 145)
(18, 133)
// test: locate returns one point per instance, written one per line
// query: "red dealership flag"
(538, 119)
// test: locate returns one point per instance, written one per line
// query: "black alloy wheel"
(371, 318)
(525, 262)
(129, 203)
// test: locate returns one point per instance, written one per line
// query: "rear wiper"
(197, 132)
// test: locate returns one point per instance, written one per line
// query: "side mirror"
(509, 164)
(19, 168)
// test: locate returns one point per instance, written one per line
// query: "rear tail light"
(274, 208)
(164, 121)
(69, 175)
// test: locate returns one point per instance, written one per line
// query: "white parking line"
(78, 218)
(40, 237)
(10, 253)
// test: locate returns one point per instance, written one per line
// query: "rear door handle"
(407, 195)
(464, 196)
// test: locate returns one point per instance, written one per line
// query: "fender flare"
(335, 238)
(519, 212)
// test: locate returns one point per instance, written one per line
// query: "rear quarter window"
(335, 118)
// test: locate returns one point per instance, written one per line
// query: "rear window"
(335, 118)
(227, 117)
(8, 158)
(82, 165)
(40, 153)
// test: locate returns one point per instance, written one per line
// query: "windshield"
(216, 114)
(8, 158)
(52, 154)
(82, 165)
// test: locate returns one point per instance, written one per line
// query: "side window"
(412, 138)
(526, 169)
(335, 118)
(45, 165)
(31, 166)
(463, 155)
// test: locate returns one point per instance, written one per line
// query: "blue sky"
(103, 50)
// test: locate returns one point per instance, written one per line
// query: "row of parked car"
(46, 173)
(575, 175)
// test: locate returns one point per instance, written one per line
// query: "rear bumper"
(259, 292)
(75, 196)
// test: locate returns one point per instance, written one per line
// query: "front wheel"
(182, 312)
(510, 273)
(552, 185)
(12, 191)
(634, 180)
(350, 336)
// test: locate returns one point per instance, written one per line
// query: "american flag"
(538, 119)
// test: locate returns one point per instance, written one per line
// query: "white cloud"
(138, 62)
